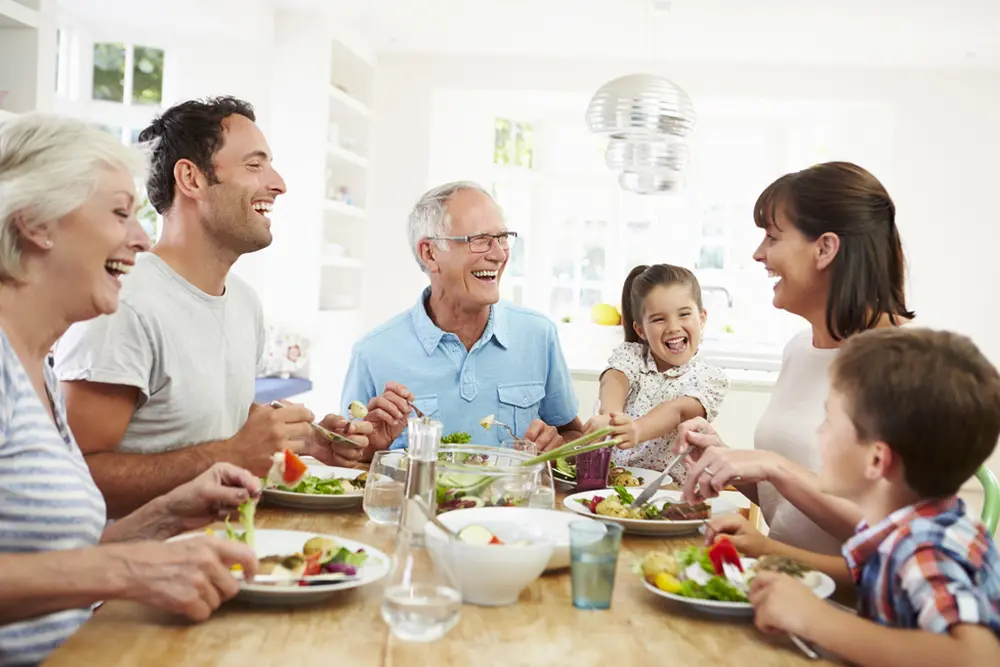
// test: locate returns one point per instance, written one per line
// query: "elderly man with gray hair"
(461, 353)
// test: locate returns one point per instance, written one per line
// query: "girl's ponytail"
(628, 305)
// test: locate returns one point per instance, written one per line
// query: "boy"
(911, 414)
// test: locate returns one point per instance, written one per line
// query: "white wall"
(942, 175)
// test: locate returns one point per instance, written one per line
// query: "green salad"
(321, 486)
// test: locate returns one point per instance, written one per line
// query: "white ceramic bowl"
(492, 575)
(553, 523)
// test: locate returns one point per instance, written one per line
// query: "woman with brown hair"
(830, 240)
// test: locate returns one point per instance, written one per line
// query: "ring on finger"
(708, 471)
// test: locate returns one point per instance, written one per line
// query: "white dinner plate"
(310, 501)
(721, 505)
(823, 587)
(282, 542)
(646, 474)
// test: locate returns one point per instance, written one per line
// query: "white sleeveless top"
(788, 427)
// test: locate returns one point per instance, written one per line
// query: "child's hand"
(745, 537)
(784, 604)
(625, 430)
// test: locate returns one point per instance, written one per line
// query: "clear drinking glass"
(593, 549)
(384, 492)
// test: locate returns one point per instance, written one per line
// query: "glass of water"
(383, 499)
(593, 548)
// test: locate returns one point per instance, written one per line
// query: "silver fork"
(735, 575)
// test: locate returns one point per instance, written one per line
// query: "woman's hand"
(191, 577)
(718, 467)
(696, 435)
(212, 495)
(745, 537)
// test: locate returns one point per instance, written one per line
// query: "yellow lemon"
(605, 314)
(667, 582)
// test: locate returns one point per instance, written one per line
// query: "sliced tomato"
(496, 540)
(313, 566)
(295, 469)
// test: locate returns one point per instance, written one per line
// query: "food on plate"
(564, 469)
(617, 506)
(326, 486)
(457, 438)
(248, 511)
(320, 555)
(286, 469)
(357, 410)
(698, 572)
(623, 477)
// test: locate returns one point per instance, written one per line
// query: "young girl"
(655, 380)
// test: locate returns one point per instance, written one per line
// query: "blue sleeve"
(359, 385)
(559, 407)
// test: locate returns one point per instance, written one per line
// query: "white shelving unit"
(27, 55)
(351, 97)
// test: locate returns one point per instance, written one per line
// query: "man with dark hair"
(162, 389)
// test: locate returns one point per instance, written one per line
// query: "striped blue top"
(48, 500)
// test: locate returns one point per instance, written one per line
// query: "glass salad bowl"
(480, 476)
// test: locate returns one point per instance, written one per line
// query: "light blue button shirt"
(515, 371)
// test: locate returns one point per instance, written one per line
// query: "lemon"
(605, 314)
(667, 582)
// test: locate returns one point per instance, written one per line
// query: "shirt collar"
(430, 334)
(867, 539)
(675, 371)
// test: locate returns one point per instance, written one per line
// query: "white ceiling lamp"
(648, 119)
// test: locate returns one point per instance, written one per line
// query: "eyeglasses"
(481, 242)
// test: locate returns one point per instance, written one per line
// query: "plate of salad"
(663, 514)
(320, 487)
(696, 577)
(297, 567)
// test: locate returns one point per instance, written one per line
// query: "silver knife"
(654, 486)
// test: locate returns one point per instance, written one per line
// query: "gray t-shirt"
(193, 357)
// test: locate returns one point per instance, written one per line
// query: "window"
(116, 85)
(582, 233)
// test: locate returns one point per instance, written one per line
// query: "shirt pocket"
(519, 403)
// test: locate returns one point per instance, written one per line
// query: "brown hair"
(868, 271)
(640, 282)
(930, 395)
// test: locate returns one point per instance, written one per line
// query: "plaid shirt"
(926, 566)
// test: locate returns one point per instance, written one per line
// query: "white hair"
(430, 218)
(50, 166)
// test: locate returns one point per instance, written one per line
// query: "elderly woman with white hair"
(68, 234)
(461, 353)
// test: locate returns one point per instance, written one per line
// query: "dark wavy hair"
(868, 272)
(190, 130)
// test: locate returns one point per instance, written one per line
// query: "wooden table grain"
(542, 629)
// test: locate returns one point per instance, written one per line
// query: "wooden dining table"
(542, 628)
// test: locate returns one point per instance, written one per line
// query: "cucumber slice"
(475, 535)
